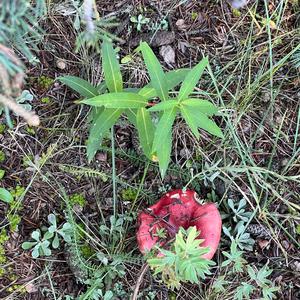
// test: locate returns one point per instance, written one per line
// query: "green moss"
(30, 130)
(128, 194)
(16, 288)
(2, 128)
(298, 229)
(77, 199)
(45, 100)
(14, 221)
(87, 251)
(2, 173)
(2, 156)
(236, 13)
(44, 82)
(3, 259)
(18, 191)
(26, 160)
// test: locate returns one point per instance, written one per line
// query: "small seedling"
(140, 20)
(54, 232)
(40, 245)
(183, 262)
(234, 258)
(239, 210)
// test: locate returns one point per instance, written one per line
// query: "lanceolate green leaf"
(117, 100)
(202, 121)
(162, 143)
(83, 87)
(111, 67)
(191, 79)
(173, 79)
(201, 105)
(190, 120)
(163, 152)
(131, 114)
(157, 75)
(164, 105)
(103, 123)
(146, 130)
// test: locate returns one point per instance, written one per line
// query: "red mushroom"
(176, 209)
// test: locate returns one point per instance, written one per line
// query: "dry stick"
(30, 117)
(144, 269)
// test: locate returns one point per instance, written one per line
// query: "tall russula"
(176, 209)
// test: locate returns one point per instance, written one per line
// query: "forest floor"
(254, 54)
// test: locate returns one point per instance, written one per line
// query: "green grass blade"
(111, 67)
(145, 130)
(117, 100)
(102, 124)
(81, 86)
(157, 75)
(192, 79)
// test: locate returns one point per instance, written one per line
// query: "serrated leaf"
(81, 86)
(117, 100)
(173, 79)
(157, 75)
(166, 105)
(145, 130)
(111, 67)
(103, 123)
(192, 79)
(200, 105)
(6, 196)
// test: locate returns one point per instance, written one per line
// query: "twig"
(144, 269)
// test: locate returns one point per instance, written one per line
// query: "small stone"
(180, 23)
(168, 54)
(61, 64)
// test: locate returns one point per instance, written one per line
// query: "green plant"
(2, 156)
(41, 244)
(239, 210)
(140, 20)
(3, 239)
(53, 232)
(5, 195)
(183, 262)
(234, 258)
(2, 173)
(108, 107)
(77, 199)
(2, 128)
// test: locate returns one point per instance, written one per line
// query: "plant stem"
(113, 160)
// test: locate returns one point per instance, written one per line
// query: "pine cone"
(259, 231)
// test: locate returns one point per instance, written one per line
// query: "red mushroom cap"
(176, 209)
